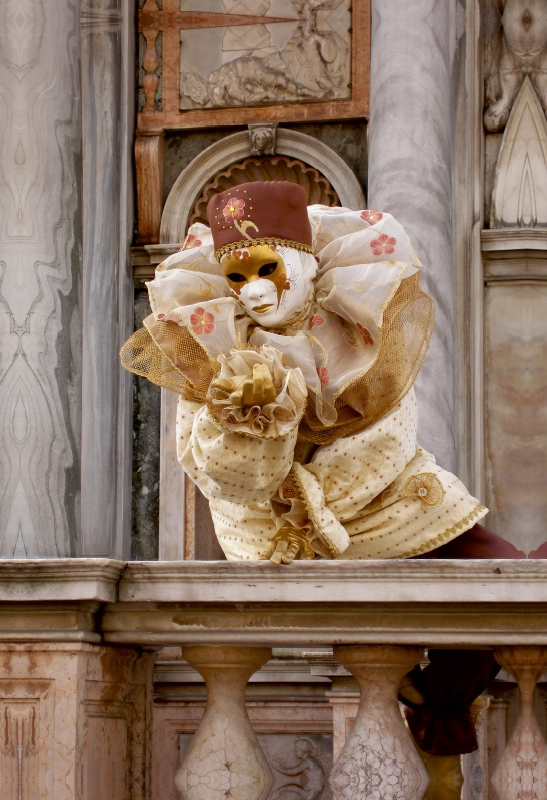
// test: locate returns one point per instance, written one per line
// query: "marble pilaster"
(410, 157)
(75, 721)
(107, 129)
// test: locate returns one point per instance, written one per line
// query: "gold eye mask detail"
(253, 264)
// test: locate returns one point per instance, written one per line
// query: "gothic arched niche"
(300, 158)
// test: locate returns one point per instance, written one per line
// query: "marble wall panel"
(516, 411)
(40, 307)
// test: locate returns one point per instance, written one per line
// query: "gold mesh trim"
(406, 331)
(227, 248)
(168, 355)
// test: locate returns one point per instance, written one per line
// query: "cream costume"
(331, 452)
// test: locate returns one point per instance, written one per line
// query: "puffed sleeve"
(230, 466)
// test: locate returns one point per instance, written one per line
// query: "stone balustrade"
(78, 640)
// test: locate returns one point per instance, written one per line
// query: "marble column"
(107, 132)
(40, 252)
(410, 157)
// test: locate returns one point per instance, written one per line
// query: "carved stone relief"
(303, 55)
(515, 64)
(262, 136)
(276, 168)
(516, 45)
(301, 763)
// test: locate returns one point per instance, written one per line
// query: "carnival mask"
(269, 281)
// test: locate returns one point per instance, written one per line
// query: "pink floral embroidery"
(233, 209)
(190, 242)
(383, 244)
(365, 333)
(317, 320)
(324, 376)
(372, 217)
(202, 321)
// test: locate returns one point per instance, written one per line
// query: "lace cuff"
(268, 421)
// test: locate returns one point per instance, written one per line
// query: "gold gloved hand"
(287, 544)
(249, 390)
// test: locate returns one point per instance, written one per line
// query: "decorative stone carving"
(522, 772)
(273, 168)
(224, 758)
(378, 759)
(516, 46)
(300, 764)
(262, 137)
(519, 198)
(247, 65)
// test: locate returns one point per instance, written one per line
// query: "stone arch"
(296, 152)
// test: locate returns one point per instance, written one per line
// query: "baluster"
(522, 772)
(150, 64)
(379, 760)
(224, 759)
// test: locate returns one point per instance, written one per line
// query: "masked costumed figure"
(293, 336)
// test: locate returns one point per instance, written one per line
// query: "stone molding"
(236, 147)
(151, 604)
(514, 254)
(513, 239)
(396, 581)
(60, 580)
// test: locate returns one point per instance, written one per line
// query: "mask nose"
(257, 290)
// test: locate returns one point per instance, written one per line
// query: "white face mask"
(271, 284)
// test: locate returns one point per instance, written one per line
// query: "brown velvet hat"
(262, 212)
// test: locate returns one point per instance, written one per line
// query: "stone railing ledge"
(385, 581)
(60, 580)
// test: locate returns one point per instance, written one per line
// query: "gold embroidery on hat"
(247, 223)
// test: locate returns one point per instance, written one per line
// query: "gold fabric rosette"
(266, 421)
